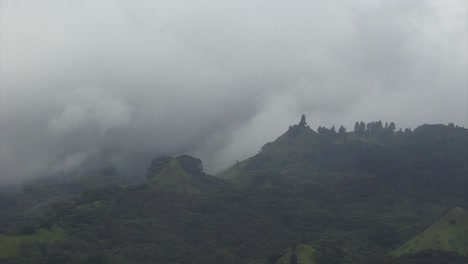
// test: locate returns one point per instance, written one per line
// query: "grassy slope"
(9, 245)
(305, 255)
(175, 178)
(450, 233)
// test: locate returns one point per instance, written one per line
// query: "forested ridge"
(331, 196)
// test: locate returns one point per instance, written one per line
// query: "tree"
(392, 127)
(361, 128)
(356, 127)
(342, 130)
(379, 125)
(303, 121)
(342, 133)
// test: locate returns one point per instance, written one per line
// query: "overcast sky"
(217, 79)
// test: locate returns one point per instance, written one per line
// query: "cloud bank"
(82, 81)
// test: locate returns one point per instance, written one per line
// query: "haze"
(101, 81)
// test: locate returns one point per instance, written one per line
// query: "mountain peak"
(187, 164)
(295, 148)
(182, 174)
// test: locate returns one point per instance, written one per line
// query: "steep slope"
(296, 152)
(450, 233)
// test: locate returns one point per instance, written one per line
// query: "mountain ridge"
(350, 196)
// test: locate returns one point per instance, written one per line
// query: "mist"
(100, 82)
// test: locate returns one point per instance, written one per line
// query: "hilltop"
(350, 196)
(182, 174)
(406, 160)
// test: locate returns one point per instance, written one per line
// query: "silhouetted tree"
(361, 128)
(303, 121)
(342, 130)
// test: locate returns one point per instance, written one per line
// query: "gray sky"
(216, 79)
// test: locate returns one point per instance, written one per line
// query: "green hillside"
(352, 196)
(450, 233)
(297, 152)
(9, 245)
(432, 158)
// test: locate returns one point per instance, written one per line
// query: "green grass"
(450, 233)
(9, 245)
(174, 178)
(172, 174)
(306, 254)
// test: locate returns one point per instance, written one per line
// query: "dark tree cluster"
(157, 165)
(328, 132)
(373, 127)
(191, 164)
(332, 133)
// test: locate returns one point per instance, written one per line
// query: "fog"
(102, 82)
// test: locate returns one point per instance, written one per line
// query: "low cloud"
(90, 107)
(89, 82)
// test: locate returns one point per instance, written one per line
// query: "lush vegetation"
(9, 245)
(308, 197)
(450, 233)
